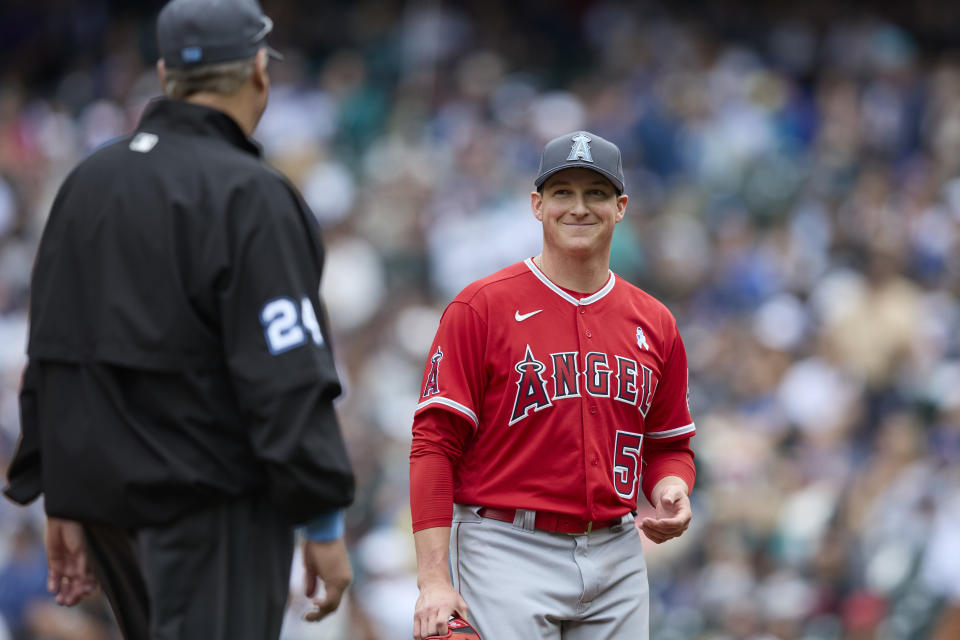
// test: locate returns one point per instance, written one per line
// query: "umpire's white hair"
(224, 78)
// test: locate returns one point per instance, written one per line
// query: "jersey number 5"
(626, 463)
(286, 327)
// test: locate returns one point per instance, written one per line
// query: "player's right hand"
(437, 602)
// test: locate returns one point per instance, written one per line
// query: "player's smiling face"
(578, 210)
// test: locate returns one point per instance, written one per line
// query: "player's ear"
(536, 205)
(621, 206)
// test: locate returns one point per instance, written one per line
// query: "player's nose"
(579, 205)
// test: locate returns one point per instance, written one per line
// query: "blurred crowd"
(794, 182)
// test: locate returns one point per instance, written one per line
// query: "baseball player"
(553, 395)
(177, 407)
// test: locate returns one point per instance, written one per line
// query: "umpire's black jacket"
(175, 355)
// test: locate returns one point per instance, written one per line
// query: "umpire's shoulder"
(250, 182)
(107, 160)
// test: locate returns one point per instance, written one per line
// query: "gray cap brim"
(273, 53)
(584, 165)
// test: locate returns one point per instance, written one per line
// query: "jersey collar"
(195, 119)
(593, 297)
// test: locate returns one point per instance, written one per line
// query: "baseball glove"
(459, 629)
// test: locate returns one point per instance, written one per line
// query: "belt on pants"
(549, 521)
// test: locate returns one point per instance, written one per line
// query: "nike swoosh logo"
(520, 317)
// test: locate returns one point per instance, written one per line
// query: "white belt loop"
(525, 519)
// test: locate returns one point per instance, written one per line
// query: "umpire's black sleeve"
(24, 472)
(277, 349)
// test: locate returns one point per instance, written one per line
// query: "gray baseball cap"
(199, 32)
(581, 149)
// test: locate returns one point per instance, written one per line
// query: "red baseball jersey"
(561, 391)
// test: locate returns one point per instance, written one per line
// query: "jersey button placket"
(589, 405)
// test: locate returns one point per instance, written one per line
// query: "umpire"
(177, 406)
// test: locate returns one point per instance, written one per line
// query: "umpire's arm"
(267, 275)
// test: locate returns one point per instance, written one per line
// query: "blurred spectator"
(23, 578)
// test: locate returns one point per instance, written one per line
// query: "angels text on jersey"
(600, 376)
(569, 375)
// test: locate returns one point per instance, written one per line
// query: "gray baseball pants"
(520, 582)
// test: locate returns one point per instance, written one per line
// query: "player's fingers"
(432, 618)
(652, 524)
(438, 625)
(649, 529)
(655, 529)
(674, 523)
(655, 536)
(434, 622)
(462, 609)
(661, 536)
(426, 626)
(421, 619)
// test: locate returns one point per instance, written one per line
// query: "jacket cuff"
(326, 527)
(23, 493)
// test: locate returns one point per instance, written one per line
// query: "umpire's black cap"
(581, 149)
(201, 32)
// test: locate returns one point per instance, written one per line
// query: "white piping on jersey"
(669, 433)
(566, 296)
(453, 405)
